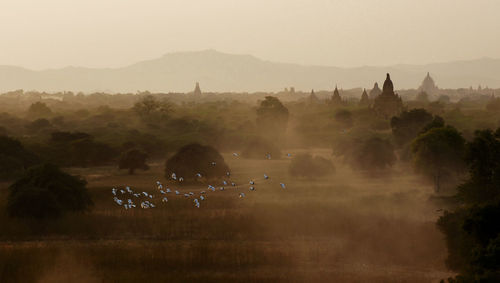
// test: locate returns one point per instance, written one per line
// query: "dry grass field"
(344, 228)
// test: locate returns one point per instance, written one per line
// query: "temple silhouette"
(388, 103)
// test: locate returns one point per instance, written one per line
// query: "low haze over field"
(249, 141)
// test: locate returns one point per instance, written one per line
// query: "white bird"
(152, 205)
(137, 195)
(202, 197)
(174, 176)
(119, 202)
(168, 190)
(177, 192)
(221, 188)
(233, 184)
(198, 175)
(197, 205)
(160, 186)
(150, 196)
(252, 183)
(158, 182)
(191, 193)
(113, 191)
(228, 173)
(235, 154)
(242, 195)
(202, 192)
(224, 183)
(145, 194)
(165, 199)
(130, 201)
(282, 185)
(126, 206)
(252, 188)
(213, 163)
(128, 189)
(266, 177)
(186, 195)
(181, 179)
(122, 191)
(162, 192)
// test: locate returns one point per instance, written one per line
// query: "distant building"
(375, 91)
(364, 101)
(428, 85)
(197, 90)
(388, 103)
(313, 98)
(336, 99)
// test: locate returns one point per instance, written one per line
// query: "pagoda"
(388, 103)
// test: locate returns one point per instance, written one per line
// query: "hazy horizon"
(111, 34)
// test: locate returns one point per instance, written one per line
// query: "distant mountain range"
(220, 72)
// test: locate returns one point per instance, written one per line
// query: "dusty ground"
(344, 228)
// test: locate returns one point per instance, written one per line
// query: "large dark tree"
(39, 110)
(196, 158)
(45, 191)
(438, 154)
(133, 159)
(407, 125)
(374, 155)
(272, 118)
(77, 149)
(472, 229)
(14, 158)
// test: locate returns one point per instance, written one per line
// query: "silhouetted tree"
(133, 159)
(196, 158)
(272, 118)
(374, 155)
(14, 158)
(438, 154)
(407, 125)
(472, 229)
(45, 191)
(39, 110)
(152, 110)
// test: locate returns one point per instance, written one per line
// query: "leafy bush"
(45, 191)
(305, 165)
(196, 158)
(133, 159)
(14, 158)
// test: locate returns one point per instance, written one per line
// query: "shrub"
(196, 158)
(47, 192)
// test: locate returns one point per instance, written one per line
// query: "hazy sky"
(112, 33)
